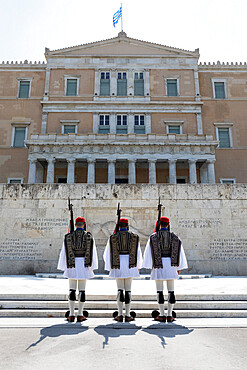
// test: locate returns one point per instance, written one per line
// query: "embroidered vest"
(78, 244)
(165, 244)
(123, 242)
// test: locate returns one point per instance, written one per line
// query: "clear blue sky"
(217, 27)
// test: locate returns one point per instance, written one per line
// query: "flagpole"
(122, 19)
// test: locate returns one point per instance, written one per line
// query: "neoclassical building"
(123, 111)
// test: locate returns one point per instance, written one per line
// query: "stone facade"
(174, 116)
(210, 219)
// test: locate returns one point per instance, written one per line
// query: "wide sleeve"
(139, 256)
(62, 263)
(107, 256)
(182, 260)
(147, 257)
(95, 257)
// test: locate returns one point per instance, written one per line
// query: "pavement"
(52, 343)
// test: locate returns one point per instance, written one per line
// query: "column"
(47, 83)
(130, 82)
(199, 123)
(91, 171)
(44, 122)
(197, 90)
(32, 171)
(95, 123)
(97, 83)
(172, 171)
(211, 171)
(148, 123)
(152, 171)
(192, 171)
(204, 174)
(132, 171)
(112, 123)
(71, 171)
(50, 171)
(131, 123)
(113, 83)
(111, 171)
(146, 83)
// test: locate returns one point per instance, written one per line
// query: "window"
(172, 87)
(174, 129)
(139, 124)
(24, 89)
(72, 86)
(19, 134)
(122, 124)
(228, 181)
(13, 180)
(69, 129)
(219, 88)
(139, 84)
(105, 83)
(122, 84)
(224, 137)
(104, 124)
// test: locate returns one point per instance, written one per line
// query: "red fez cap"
(80, 220)
(124, 220)
(164, 219)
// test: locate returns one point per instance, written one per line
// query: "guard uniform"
(123, 258)
(164, 254)
(78, 258)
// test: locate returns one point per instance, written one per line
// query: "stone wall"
(210, 219)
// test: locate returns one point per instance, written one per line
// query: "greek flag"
(117, 16)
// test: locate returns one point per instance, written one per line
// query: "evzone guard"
(164, 254)
(123, 258)
(78, 258)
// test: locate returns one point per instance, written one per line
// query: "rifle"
(157, 227)
(71, 225)
(118, 218)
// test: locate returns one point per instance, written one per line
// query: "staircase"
(187, 306)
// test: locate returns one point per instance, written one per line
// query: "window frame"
(66, 78)
(174, 123)
(105, 79)
(15, 178)
(139, 79)
(228, 179)
(220, 125)
(213, 85)
(19, 125)
(69, 123)
(19, 80)
(178, 86)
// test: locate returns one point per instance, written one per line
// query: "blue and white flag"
(117, 16)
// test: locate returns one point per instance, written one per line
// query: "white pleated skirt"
(168, 272)
(79, 272)
(124, 272)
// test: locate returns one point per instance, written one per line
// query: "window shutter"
(172, 89)
(71, 87)
(122, 87)
(219, 90)
(24, 89)
(20, 133)
(69, 129)
(174, 130)
(139, 87)
(224, 137)
(104, 87)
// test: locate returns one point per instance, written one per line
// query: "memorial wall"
(211, 221)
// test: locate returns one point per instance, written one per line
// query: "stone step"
(112, 297)
(139, 313)
(136, 305)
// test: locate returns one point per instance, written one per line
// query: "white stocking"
(72, 287)
(160, 288)
(81, 288)
(170, 288)
(120, 286)
(127, 286)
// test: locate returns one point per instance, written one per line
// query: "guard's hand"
(179, 272)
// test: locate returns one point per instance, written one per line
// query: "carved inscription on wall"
(199, 223)
(20, 249)
(228, 249)
(45, 224)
